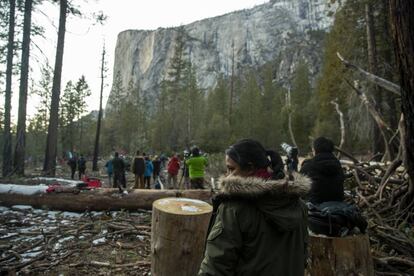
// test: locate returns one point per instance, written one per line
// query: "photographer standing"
(196, 166)
(185, 174)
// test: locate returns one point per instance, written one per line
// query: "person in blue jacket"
(148, 172)
(109, 171)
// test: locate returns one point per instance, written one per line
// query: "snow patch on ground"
(8, 235)
(23, 189)
(71, 215)
(140, 237)
(21, 207)
(99, 241)
(59, 180)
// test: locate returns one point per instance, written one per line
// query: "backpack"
(335, 219)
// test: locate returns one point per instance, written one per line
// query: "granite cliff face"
(280, 31)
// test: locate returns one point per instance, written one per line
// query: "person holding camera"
(326, 173)
(196, 166)
(185, 173)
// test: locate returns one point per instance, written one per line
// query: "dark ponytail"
(276, 164)
(250, 154)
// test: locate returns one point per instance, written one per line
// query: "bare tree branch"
(387, 85)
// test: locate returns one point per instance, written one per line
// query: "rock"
(284, 32)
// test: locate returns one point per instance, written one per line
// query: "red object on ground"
(52, 187)
(92, 182)
(87, 183)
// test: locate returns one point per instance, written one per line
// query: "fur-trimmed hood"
(278, 200)
(254, 187)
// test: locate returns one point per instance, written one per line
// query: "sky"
(84, 39)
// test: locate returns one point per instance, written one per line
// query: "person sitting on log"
(325, 171)
(259, 224)
(328, 214)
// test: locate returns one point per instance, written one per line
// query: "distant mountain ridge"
(282, 30)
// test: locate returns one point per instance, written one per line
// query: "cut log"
(179, 230)
(93, 200)
(340, 256)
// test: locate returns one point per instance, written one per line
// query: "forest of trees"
(246, 103)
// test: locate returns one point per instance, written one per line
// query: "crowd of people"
(151, 171)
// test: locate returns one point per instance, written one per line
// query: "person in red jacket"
(173, 167)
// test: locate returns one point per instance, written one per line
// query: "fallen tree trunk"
(93, 200)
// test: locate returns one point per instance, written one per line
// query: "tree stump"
(340, 256)
(179, 230)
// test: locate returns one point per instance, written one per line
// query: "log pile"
(379, 190)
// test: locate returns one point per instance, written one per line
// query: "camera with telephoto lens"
(292, 160)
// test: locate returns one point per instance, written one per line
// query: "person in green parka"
(259, 223)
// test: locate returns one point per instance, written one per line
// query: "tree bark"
(340, 256)
(98, 126)
(7, 136)
(101, 199)
(402, 22)
(179, 230)
(49, 166)
(377, 145)
(20, 150)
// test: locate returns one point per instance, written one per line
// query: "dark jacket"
(82, 163)
(260, 228)
(157, 166)
(138, 165)
(327, 178)
(118, 165)
(72, 163)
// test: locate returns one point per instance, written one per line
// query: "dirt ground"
(41, 242)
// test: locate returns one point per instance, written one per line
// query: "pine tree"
(49, 166)
(72, 107)
(104, 69)
(19, 153)
(113, 113)
(68, 114)
(303, 110)
(176, 88)
(215, 134)
(248, 110)
(7, 137)
(331, 85)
